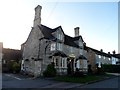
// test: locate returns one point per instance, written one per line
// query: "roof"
(47, 32)
(116, 55)
(59, 53)
(97, 52)
(82, 57)
(70, 41)
(11, 54)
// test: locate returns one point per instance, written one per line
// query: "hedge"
(111, 68)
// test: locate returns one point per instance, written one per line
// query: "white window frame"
(99, 56)
(59, 46)
(71, 49)
(60, 36)
(53, 46)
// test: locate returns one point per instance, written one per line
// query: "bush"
(78, 73)
(50, 71)
(16, 67)
(111, 68)
(89, 69)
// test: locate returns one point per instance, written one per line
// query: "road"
(16, 81)
(110, 83)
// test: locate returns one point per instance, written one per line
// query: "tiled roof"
(116, 55)
(47, 32)
(97, 52)
(70, 41)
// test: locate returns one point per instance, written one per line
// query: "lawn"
(84, 79)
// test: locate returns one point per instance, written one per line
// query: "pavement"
(116, 74)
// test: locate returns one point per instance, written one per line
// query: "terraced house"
(45, 45)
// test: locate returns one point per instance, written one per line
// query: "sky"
(98, 21)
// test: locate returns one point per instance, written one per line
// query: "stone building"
(99, 57)
(45, 45)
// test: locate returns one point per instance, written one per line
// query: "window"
(53, 46)
(63, 62)
(99, 56)
(81, 51)
(81, 44)
(56, 62)
(60, 36)
(71, 49)
(59, 46)
(4, 62)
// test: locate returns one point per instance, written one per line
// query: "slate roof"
(59, 53)
(70, 41)
(47, 32)
(81, 57)
(97, 52)
(116, 55)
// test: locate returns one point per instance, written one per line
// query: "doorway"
(70, 66)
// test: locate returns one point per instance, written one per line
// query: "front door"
(70, 66)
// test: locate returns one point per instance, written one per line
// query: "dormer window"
(60, 36)
(81, 45)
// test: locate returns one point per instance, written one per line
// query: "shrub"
(89, 69)
(111, 68)
(15, 67)
(50, 71)
(78, 73)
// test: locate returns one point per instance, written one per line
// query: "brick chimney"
(37, 18)
(76, 30)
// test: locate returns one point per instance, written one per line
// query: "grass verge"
(84, 79)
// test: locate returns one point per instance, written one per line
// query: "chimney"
(114, 52)
(108, 52)
(101, 50)
(37, 18)
(76, 30)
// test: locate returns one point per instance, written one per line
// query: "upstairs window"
(59, 46)
(53, 46)
(99, 56)
(60, 36)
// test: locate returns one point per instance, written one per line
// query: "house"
(115, 58)
(45, 45)
(97, 57)
(10, 56)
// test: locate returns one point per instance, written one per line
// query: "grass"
(84, 79)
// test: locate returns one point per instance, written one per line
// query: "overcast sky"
(98, 21)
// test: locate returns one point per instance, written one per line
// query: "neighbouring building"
(9, 56)
(45, 45)
(99, 57)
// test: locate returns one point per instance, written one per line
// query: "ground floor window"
(56, 62)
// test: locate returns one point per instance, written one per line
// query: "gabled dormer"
(59, 34)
